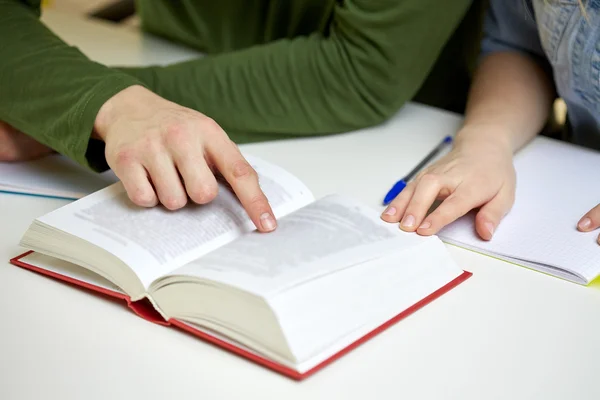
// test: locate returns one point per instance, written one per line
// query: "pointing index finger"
(244, 181)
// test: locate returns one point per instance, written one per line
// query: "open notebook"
(52, 176)
(331, 276)
(557, 183)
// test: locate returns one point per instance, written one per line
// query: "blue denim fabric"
(558, 35)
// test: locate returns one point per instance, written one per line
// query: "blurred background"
(118, 11)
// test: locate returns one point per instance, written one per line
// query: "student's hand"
(164, 152)
(590, 221)
(17, 146)
(476, 173)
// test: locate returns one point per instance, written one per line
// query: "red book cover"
(144, 309)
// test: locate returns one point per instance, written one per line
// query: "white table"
(507, 333)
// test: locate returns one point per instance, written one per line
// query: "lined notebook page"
(557, 183)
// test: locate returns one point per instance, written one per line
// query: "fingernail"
(585, 223)
(268, 222)
(425, 225)
(390, 211)
(490, 228)
(408, 221)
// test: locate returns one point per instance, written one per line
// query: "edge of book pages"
(144, 309)
(520, 263)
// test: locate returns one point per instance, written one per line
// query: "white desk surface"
(507, 333)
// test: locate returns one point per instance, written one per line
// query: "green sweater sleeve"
(50, 90)
(374, 57)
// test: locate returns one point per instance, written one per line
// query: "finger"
(454, 206)
(244, 182)
(165, 179)
(135, 180)
(395, 211)
(590, 221)
(426, 192)
(200, 183)
(489, 216)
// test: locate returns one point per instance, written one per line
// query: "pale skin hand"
(163, 152)
(508, 105)
(17, 146)
(474, 174)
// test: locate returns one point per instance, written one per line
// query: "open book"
(52, 176)
(331, 276)
(556, 186)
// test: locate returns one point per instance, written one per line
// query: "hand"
(476, 173)
(164, 152)
(17, 146)
(590, 221)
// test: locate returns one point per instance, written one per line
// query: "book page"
(556, 186)
(154, 241)
(328, 235)
(69, 270)
(53, 176)
(331, 313)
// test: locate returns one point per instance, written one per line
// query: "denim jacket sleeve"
(510, 25)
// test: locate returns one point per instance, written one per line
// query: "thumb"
(491, 213)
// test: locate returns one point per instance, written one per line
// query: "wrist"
(115, 107)
(485, 137)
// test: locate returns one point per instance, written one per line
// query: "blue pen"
(401, 184)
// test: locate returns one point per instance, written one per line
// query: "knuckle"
(421, 174)
(125, 157)
(443, 214)
(143, 198)
(458, 200)
(430, 178)
(203, 194)
(151, 146)
(177, 133)
(452, 207)
(242, 170)
(401, 199)
(410, 186)
(210, 125)
(396, 202)
(257, 200)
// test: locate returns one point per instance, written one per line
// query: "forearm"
(290, 87)
(509, 102)
(373, 60)
(49, 90)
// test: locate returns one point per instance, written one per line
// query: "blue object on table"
(401, 184)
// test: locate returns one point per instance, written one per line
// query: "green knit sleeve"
(373, 59)
(50, 90)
